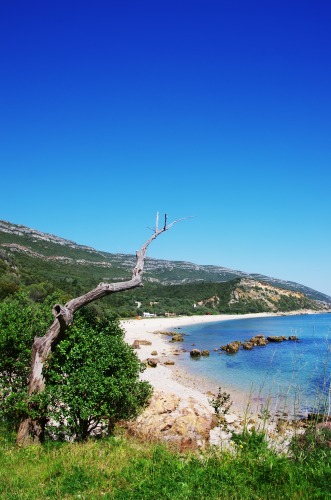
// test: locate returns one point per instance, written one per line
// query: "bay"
(289, 376)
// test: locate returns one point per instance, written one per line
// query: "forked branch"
(32, 430)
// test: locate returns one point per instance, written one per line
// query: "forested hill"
(44, 263)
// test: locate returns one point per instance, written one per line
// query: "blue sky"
(112, 111)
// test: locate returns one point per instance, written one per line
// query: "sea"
(292, 377)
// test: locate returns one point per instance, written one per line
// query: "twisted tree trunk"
(31, 430)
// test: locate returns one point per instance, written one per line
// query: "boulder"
(182, 422)
(259, 340)
(137, 343)
(177, 338)
(152, 362)
(248, 346)
(232, 347)
(275, 338)
(205, 352)
(160, 332)
(195, 353)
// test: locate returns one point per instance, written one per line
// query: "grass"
(124, 468)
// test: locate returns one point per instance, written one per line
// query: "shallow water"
(289, 376)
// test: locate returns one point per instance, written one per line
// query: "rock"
(169, 334)
(219, 436)
(275, 338)
(137, 343)
(205, 352)
(184, 423)
(248, 346)
(232, 347)
(154, 353)
(177, 338)
(195, 353)
(293, 337)
(152, 362)
(230, 418)
(169, 362)
(259, 340)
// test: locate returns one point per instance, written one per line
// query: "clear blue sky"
(114, 110)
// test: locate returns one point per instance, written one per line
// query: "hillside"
(44, 263)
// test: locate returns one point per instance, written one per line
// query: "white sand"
(164, 378)
(172, 379)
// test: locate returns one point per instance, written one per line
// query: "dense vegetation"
(91, 376)
(45, 263)
(40, 279)
(121, 468)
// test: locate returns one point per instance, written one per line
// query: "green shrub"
(20, 321)
(91, 377)
(92, 380)
(251, 441)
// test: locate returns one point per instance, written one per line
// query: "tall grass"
(122, 468)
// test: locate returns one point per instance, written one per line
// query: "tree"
(20, 321)
(92, 380)
(32, 427)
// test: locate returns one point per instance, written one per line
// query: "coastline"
(174, 380)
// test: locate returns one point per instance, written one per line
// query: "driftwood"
(33, 430)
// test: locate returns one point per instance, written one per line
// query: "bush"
(251, 441)
(91, 377)
(20, 321)
(92, 380)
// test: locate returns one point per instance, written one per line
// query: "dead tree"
(31, 430)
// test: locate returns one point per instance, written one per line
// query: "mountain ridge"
(48, 247)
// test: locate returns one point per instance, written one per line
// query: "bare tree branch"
(32, 430)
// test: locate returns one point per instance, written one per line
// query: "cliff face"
(248, 295)
(271, 297)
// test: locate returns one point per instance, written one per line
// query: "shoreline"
(173, 380)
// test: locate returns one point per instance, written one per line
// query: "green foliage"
(41, 267)
(92, 378)
(118, 468)
(20, 321)
(251, 441)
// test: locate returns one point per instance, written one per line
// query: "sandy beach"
(181, 407)
(172, 379)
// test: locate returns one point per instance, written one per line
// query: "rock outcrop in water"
(195, 353)
(257, 341)
(232, 347)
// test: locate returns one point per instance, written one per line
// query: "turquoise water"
(289, 375)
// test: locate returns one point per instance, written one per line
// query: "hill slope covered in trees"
(43, 263)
